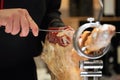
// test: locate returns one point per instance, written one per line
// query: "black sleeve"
(52, 17)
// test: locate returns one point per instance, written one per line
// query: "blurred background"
(75, 13)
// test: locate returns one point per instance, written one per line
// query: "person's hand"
(18, 21)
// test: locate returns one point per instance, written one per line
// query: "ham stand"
(92, 67)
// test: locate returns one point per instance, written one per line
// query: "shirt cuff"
(56, 23)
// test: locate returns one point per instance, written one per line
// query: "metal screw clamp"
(90, 19)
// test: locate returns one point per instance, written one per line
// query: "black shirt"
(17, 52)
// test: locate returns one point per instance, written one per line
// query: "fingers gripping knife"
(92, 64)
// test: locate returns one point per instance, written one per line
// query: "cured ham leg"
(60, 56)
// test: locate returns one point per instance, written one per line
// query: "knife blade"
(45, 30)
(117, 32)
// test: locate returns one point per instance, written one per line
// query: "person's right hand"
(18, 20)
